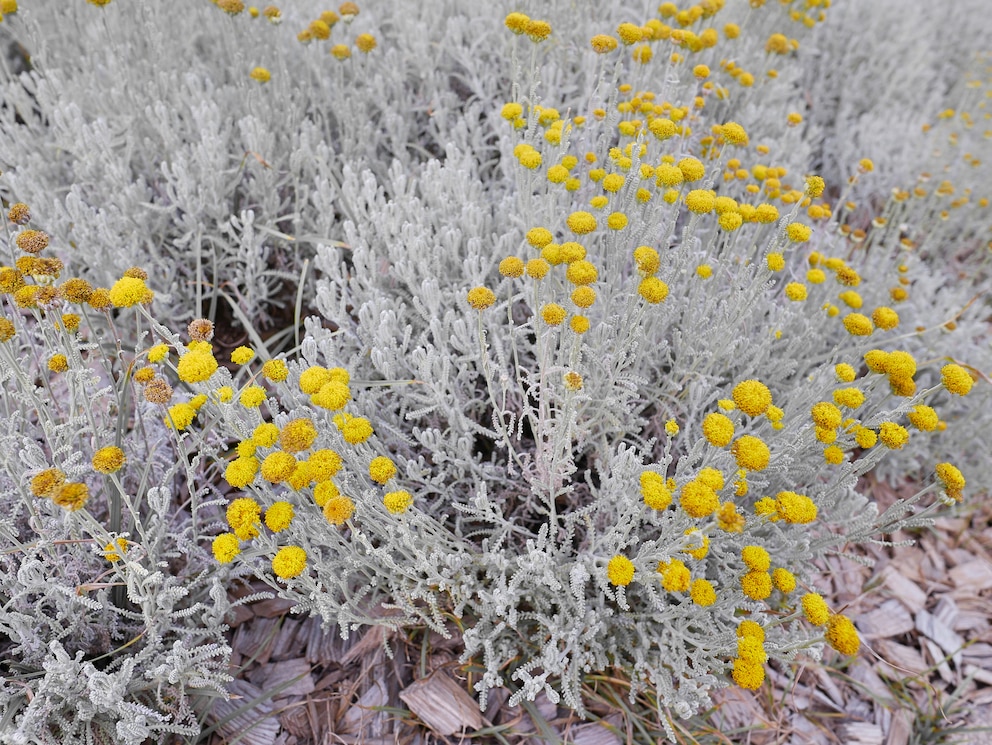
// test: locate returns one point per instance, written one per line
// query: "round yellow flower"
(252, 397)
(128, 291)
(752, 397)
(511, 266)
(278, 466)
(756, 585)
(581, 223)
(951, 479)
(275, 371)
(480, 297)
(365, 43)
(756, 558)
(279, 516)
(242, 355)
(620, 570)
(397, 502)
(698, 500)
(655, 492)
(338, 509)
(356, 430)
(923, 417)
(653, 290)
(553, 314)
(289, 562)
(108, 460)
(815, 608)
(197, 365)
(602, 43)
(885, 318)
(381, 469)
(797, 232)
(795, 508)
(858, 324)
(702, 592)
(841, 634)
(675, 575)
(956, 379)
(225, 547)
(260, 74)
(297, 434)
(751, 453)
(115, 550)
(241, 471)
(748, 675)
(324, 464)
(893, 435)
(733, 133)
(784, 580)
(700, 201)
(718, 429)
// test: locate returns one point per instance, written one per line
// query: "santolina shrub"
(596, 359)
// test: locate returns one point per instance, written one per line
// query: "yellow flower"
(692, 169)
(815, 608)
(620, 570)
(752, 397)
(775, 262)
(225, 547)
(197, 365)
(252, 397)
(702, 592)
(180, 416)
(797, 232)
(338, 509)
(553, 314)
(581, 223)
(814, 184)
(537, 268)
(481, 298)
(751, 649)
(275, 371)
(397, 502)
(242, 355)
(279, 516)
(784, 580)
(698, 500)
(340, 51)
(841, 635)
(893, 435)
(324, 492)
(278, 466)
(923, 417)
(128, 291)
(956, 379)
(858, 324)
(795, 508)
(297, 434)
(748, 675)
(826, 415)
(581, 272)
(602, 43)
(756, 585)
(265, 434)
(732, 132)
(630, 33)
(752, 629)
(356, 430)
(158, 352)
(951, 479)
(517, 22)
(845, 373)
(365, 43)
(700, 201)
(756, 558)
(653, 290)
(511, 266)
(718, 429)
(260, 74)
(333, 395)
(289, 562)
(381, 469)
(58, 363)
(243, 514)
(656, 494)
(647, 260)
(851, 398)
(751, 453)
(796, 291)
(885, 318)
(115, 550)
(728, 519)
(675, 575)
(324, 464)
(671, 427)
(108, 460)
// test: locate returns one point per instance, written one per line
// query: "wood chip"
(255, 725)
(887, 620)
(595, 733)
(937, 657)
(900, 728)
(272, 675)
(973, 576)
(861, 733)
(904, 589)
(272, 607)
(904, 660)
(945, 637)
(442, 704)
(360, 718)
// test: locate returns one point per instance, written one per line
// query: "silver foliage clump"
(534, 450)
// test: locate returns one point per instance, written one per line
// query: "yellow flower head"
(289, 562)
(698, 500)
(381, 469)
(675, 575)
(197, 365)
(815, 608)
(279, 516)
(795, 508)
(841, 635)
(397, 502)
(298, 434)
(718, 429)
(756, 558)
(752, 397)
(242, 355)
(128, 291)
(756, 585)
(108, 460)
(951, 479)
(655, 492)
(620, 570)
(956, 379)
(225, 547)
